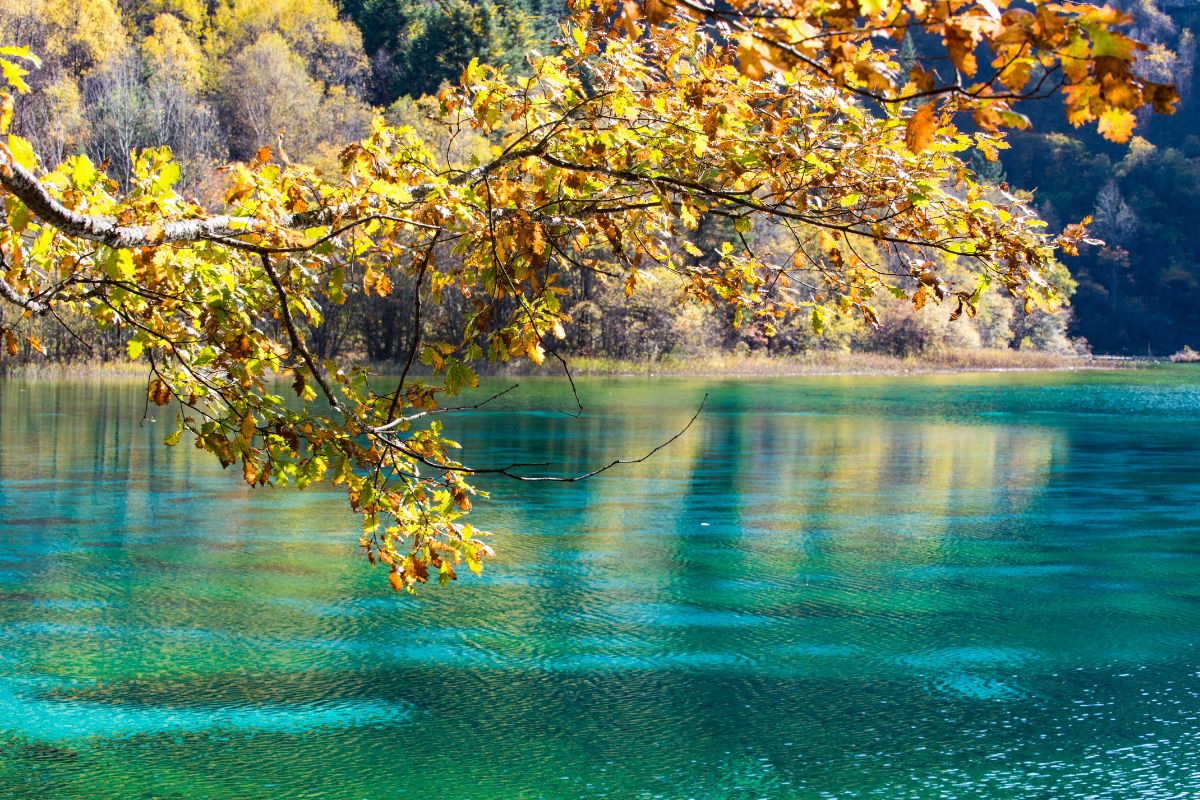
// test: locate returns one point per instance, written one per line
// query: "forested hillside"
(216, 81)
(1140, 293)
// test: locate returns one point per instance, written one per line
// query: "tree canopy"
(602, 157)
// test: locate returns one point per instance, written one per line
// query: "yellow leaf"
(21, 52)
(119, 265)
(14, 75)
(872, 8)
(1116, 125)
(22, 152)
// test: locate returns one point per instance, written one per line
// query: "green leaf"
(458, 376)
(818, 319)
(19, 217)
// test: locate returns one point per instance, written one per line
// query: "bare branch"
(298, 347)
(444, 410)
(508, 471)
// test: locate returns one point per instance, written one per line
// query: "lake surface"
(968, 586)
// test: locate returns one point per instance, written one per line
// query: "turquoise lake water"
(967, 586)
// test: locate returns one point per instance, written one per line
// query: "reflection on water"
(961, 587)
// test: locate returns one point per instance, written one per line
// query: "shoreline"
(726, 365)
(828, 364)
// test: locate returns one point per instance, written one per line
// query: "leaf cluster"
(606, 158)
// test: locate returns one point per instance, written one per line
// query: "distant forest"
(217, 79)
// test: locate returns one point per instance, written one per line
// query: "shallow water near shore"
(944, 586)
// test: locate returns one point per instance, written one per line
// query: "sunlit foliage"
(605, 157)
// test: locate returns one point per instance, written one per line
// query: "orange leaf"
(631, 13)
(538, 240)
(750, 56)
(919, 131)
(960, 46)
(158, 392)
(658, 11)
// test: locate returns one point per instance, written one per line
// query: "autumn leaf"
(918, 132)
(538, 240)
(658, 11)
(1116, 125)
(751, 55)
(158, 392)
(1163, 97)
(22, 152)
(960, 46)
(698, 144)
